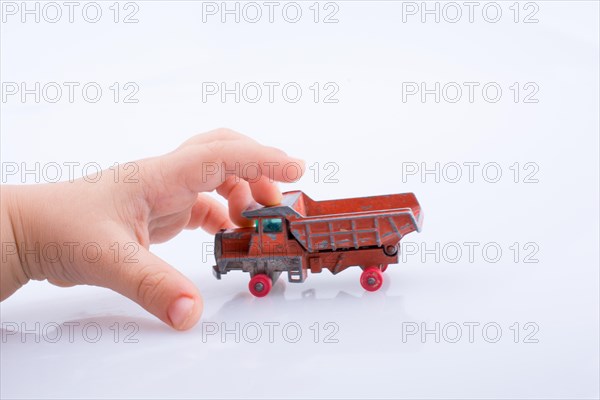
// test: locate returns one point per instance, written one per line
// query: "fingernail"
(180, 311)
(298, 161)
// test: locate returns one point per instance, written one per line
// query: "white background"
(370, 136)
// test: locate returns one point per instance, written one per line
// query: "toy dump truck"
(301, 234)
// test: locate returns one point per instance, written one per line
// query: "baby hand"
(45, 227)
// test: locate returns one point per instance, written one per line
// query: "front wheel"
(371, 279)
(260, 285)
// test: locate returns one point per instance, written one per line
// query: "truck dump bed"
(346, 223)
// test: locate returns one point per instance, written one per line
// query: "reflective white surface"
(327, 337)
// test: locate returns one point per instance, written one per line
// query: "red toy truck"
(301, 234)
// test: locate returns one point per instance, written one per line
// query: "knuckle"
(216, 150)
(149, 289)
(216, 147)
(226, 133)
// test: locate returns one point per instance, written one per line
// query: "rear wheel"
(260, 285)
(371, 279)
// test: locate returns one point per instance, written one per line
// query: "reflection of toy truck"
(301, 234)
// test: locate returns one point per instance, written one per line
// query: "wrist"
(12, 271)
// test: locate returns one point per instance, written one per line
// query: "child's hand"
(98, 233)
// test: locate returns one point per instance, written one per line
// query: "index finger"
(205, 166)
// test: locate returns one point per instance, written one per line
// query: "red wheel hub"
(371, 279)
(260, 285)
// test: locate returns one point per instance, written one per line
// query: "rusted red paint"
(317, 235)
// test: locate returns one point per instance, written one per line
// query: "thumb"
(159, 288)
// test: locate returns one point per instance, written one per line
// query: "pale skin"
(164, 197)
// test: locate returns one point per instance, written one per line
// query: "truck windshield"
(272, 225)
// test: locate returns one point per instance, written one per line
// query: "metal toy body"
(301, 234)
